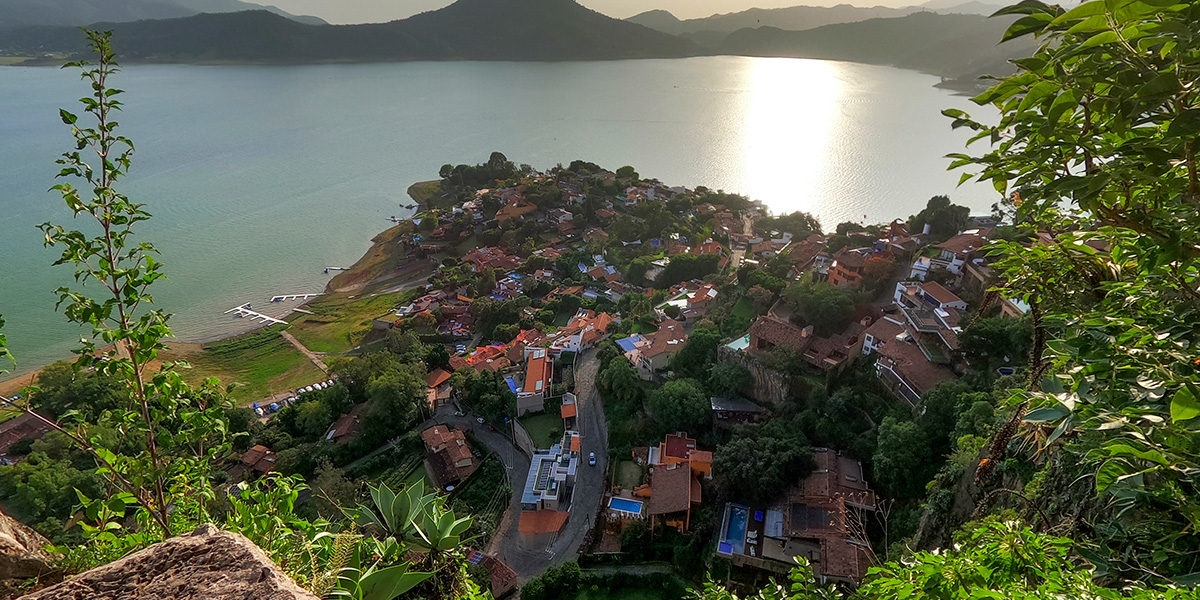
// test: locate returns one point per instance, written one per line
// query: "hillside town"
(654, 372)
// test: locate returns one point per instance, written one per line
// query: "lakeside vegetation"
(252, 366)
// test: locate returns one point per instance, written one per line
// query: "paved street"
(530, 556)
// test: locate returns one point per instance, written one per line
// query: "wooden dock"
(286, 297)
(244, 311)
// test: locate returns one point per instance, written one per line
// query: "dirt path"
(313, 356)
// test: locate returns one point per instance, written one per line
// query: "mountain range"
(75, 13)
(466, 30)
(954, 46)
(797, 18)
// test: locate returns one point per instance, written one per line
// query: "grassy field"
(340, 322)
(542, 428)
(12, 60)
(426, 193)
(261, 363)
(641, 327)
(743, 310)
(628, 474)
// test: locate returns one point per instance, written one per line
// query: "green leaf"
(1187, 124)
(386, 584)
(1048, 414)
(1026, 25)
(1087, 9)
(1184, 405)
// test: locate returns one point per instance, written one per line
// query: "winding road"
(530, 556)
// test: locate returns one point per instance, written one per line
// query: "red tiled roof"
(671, 487)
(940, 293)
(347, 426)
(19, 428)
(963, 243)
(537, 371)
(885, 329)
(437, 377)
(678, 445)
(907, 360)
(535, 522)
(567, 410)
(669, 339)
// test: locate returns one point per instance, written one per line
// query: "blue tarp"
(512, 385)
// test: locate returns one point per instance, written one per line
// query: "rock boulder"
(207, 564)
(21, 554)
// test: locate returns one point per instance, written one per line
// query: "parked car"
(592, 459)
(479, 420)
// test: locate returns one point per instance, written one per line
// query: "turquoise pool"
(625, 505)
(733, 540)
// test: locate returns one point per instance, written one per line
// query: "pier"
(244, 311)
(286, 297)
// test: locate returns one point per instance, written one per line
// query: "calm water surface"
(259, 177)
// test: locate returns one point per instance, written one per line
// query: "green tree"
(728, 379)
(165, 478)
(903, 461)
(993, 342)
(619, 380)
(943, 218)
(1094, 149)
(697, 353)
(827, 308)
(762, 461)
(313, 418)
(680, 405)
(761, 299)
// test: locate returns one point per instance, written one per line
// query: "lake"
(260, 177)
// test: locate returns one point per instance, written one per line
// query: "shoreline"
(12, 382)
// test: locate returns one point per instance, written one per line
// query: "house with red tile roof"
(699, 301)
(348, 426)
(569, 411)
(517, 207)
(18, 428)
(814, 520)
(449, 459)
(539, 372)
(847, 267)
(676, 470)
(259, 459)
(825, 353)
(906, 370)
(653, 351)
(583, 331)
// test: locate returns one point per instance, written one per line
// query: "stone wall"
(769, 386)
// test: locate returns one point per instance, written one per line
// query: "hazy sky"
(365, 11)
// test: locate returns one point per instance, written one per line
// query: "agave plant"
(421, 521)
(375, 582)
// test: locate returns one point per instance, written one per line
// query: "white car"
(592, 459)
(479, 420)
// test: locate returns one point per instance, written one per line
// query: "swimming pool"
(625, 505)
(734, 540)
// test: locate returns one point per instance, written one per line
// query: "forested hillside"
(468, 29)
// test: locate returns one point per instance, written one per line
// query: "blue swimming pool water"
(735, 534)
(629, 506)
